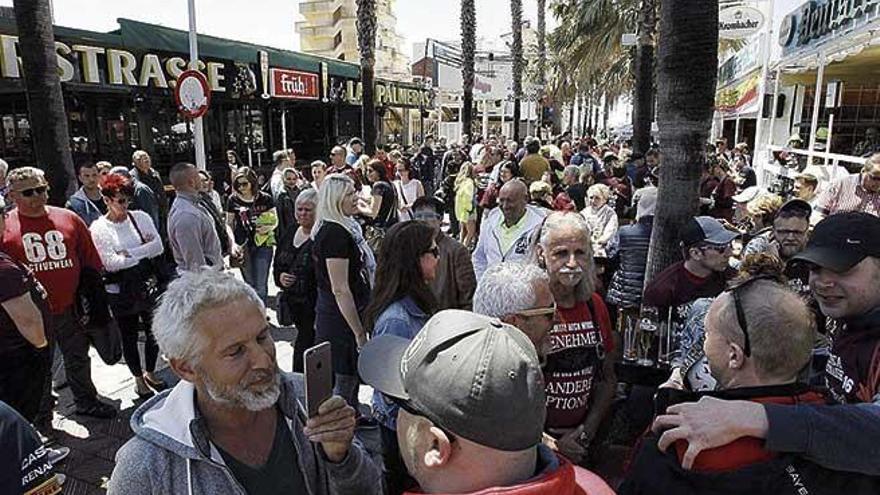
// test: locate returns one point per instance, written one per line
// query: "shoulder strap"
(136, 228)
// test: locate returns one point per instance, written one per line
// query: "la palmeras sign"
(121, 67)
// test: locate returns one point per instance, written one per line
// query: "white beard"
(243, 396)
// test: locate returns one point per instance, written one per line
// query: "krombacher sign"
(816, 19)
(80, 63)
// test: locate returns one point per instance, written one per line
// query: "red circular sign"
(192, 94)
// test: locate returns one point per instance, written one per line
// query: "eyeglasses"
(39, 190)
(741, 313)
(548, 311)
(121, 200)
(408, 407)
(712, 247)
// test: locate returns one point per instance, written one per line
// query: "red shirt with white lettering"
(578, 350)
(55, 247)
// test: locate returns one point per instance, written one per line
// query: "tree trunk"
(48, 119)
(366, 27)
(686, 77)
(468, 49)
(643, 90)
(517, 52)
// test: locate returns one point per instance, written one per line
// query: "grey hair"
(310, 195)
(572, 170)
(4, 167)
(600, 189)
(508, 288)
(560, 220)
(185, 299)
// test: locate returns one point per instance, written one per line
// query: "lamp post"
(198, 128)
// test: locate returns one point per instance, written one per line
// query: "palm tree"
(48, 120)
(468, 49)
(516, 51)
(643, 94)
(366, 27)
(686, 76)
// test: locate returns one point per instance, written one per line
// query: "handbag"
(106, 340)
(163, 272)
(91, 312)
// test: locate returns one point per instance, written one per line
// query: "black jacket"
(655, 472)
(628, 281)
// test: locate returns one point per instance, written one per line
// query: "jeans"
(129, 329)
(255, 269)
(71, 338)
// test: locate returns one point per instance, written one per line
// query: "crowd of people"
(485, 291)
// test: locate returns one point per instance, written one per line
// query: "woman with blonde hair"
(344, 268)
(600, 217)
(465, 207)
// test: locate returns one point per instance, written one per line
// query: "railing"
(825, 166)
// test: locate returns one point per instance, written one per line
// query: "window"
(337, 40)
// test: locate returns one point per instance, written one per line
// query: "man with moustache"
(579, 370)
(230, 426)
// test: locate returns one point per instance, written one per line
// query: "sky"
(271, 22)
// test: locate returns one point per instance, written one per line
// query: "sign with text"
(739, 22)
(294, 84)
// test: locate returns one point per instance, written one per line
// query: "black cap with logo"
(842, 241)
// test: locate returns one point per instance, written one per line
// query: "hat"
(706, 230)
(353, 141)
(796, 204)
(647, 204)
(747, 194)
(470, 374)
(842, 241)
(609, 155)
(795, 137)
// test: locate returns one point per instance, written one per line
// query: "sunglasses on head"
(39, 190)
(736, 292)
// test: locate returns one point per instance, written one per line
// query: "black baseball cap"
(473, 375)
(842, 241)
(706, 230)
(797, 205)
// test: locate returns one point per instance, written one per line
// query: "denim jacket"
(402, 318)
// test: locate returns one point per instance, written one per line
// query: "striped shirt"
(847, 194)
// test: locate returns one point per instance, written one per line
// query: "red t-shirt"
(577, 352)
(55, 247)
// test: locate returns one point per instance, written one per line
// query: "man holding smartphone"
(231, 425)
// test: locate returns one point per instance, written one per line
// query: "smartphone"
(318, 371)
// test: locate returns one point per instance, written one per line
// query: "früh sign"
(293, 84)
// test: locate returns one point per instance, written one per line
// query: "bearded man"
(579, 370)
(230, 425)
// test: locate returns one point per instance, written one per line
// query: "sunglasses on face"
(39, 190)
(548, 311)
(121, 200)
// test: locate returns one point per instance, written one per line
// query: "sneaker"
(56, 455)
(98, 410)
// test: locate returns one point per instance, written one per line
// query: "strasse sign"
(293, 84)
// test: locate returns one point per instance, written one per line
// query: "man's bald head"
(512, 199)
(781, 331)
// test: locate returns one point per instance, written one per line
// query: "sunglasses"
(408, 407)
(40, 190)
(736, 292)
(548, 311)
(717, 249)
(434, 251)
(121, 200)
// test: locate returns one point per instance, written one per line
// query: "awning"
(859, 64)
(734, 99)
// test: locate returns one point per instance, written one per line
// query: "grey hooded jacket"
(171, 452)
(80, 204)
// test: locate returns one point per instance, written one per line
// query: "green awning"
(150, 36)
